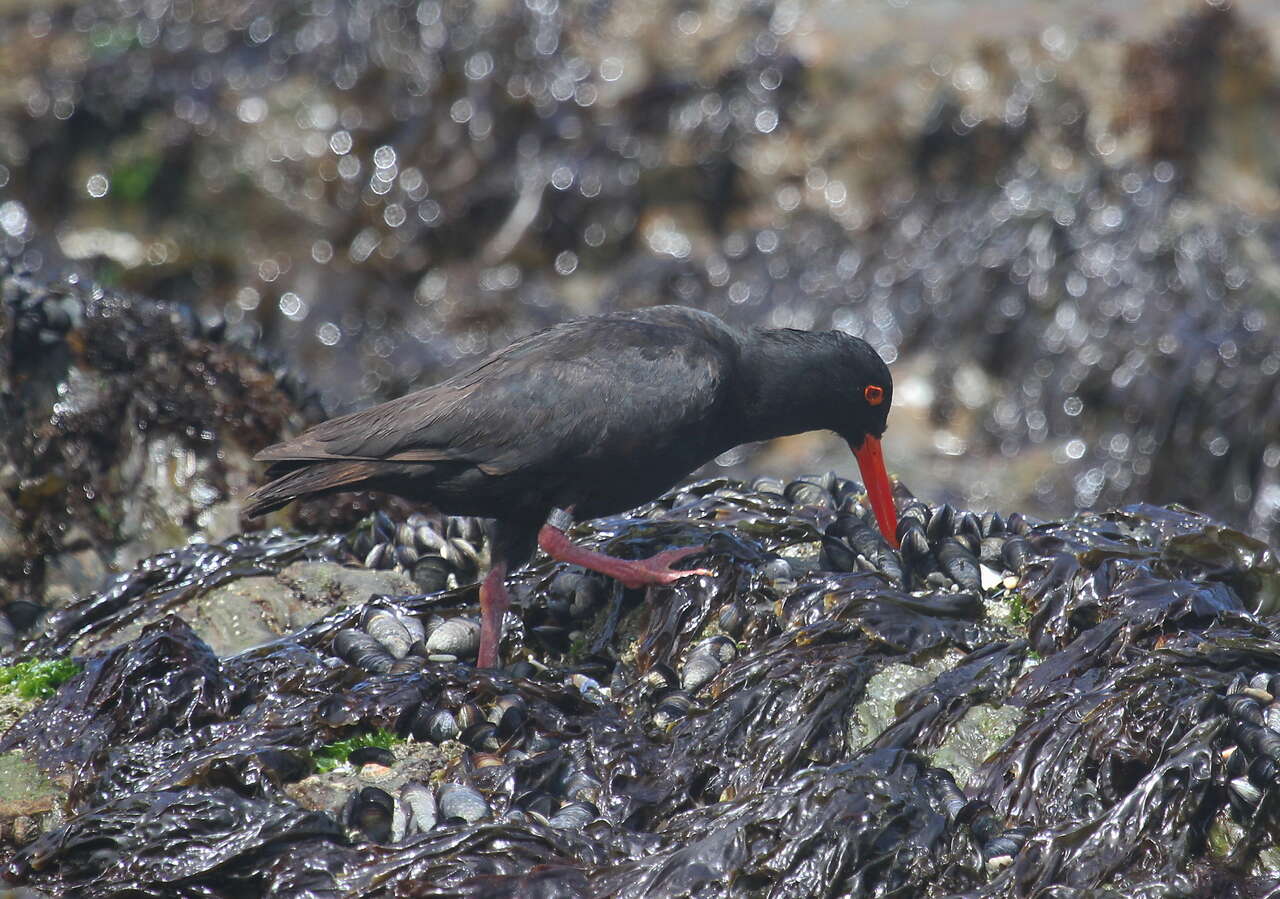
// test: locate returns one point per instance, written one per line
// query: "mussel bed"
(1005, 708)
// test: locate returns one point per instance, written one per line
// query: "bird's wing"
(576, 392)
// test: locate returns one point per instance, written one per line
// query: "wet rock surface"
(822, 715)
(128, 428)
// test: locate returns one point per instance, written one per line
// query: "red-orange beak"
(876, 479)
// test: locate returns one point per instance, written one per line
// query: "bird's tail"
(310, 479)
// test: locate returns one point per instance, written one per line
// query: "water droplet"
(292, 306)
(566, 262)
(97, 185)
(329, 334)
(252, 110)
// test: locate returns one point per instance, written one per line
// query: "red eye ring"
(874, 395)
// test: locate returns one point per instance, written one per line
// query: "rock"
(981, 731)
(884, 689)
(29, 803)
(250, 611)
(128, 426)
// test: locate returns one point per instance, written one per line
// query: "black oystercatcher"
(591, 418)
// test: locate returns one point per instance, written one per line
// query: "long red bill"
(876, 479)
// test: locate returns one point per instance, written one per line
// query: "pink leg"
(494, 600)
(639, 573)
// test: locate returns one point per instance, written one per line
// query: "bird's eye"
(874, 395)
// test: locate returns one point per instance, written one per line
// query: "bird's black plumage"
(598, 415)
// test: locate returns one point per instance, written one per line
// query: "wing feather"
(574, 392)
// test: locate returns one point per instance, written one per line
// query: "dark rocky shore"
(1057, 221)
(1007, 707)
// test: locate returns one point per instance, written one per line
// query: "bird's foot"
(656, 569)
(633, 573)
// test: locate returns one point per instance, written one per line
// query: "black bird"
(591, 418)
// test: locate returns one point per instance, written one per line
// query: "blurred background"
(1056, 219)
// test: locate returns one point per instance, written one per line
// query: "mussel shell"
(778, 569)
(406, 557)
(481, 735)
(363, 651)
(372, 811)
(770, 485)
(915, 545)
(511, 722)
(580, 785)
(993, 525)
(1236, 764)
(436, 725)
(389, 630)
(1015, 553)
(867, 542)
(371, 755)
(1264, 771)
(468, 714)
(1247, 793)
(383, 528)
(458, 801)
(940, 522)
(805, 493)
(1271, 716)
(431, 574)
(699, 669)
(537, 741)
(428, 539)
(660, 677)
(837, 555)
(959, 564)
(673, 707)
(733, 618)
(465, 527)
(1245, 708)
(420, 801)
(1256, 740)
(542, 804)
(913, 512)
(412, 624)
(574, 816)
(380, 556)
(968, 525)
(453, 636)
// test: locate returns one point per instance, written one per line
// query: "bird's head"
(867, 394)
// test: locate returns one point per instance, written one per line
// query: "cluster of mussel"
(390, 642)
(498, 731)
(1252, 760)
(383, 818)
(438, 555)
(940, 548)
(562, 801)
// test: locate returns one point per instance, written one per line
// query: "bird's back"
(593, 412)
